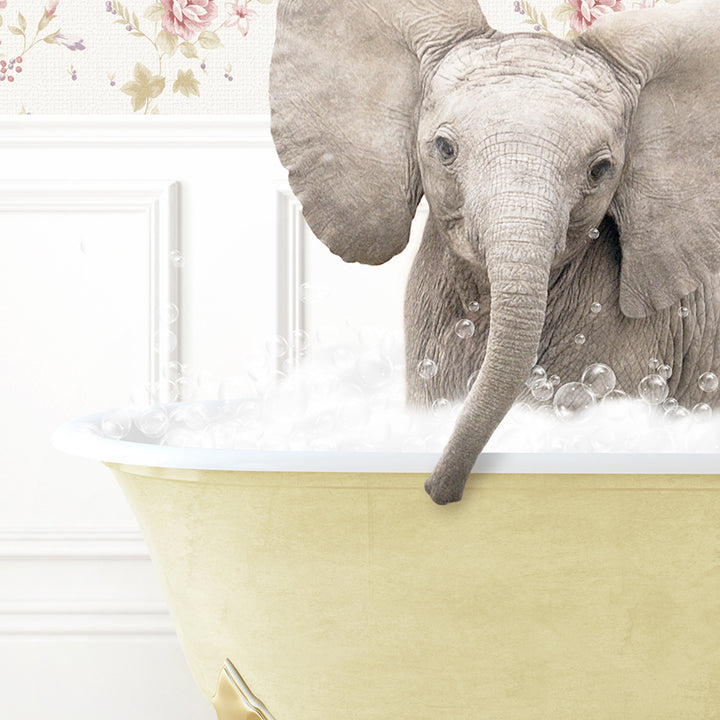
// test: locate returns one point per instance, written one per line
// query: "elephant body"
(558, 174)
(444, 285)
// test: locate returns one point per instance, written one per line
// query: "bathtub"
(327, 586)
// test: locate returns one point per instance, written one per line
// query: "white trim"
(33, 619)
(291, 269)
(61, 545)
(158, 201)
(158, 131)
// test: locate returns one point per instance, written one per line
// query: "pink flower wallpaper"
(186, 56)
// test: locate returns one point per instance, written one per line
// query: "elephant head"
(522, 145)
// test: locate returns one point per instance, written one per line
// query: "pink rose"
(239, 15)
(187, 18)
(588, 11)
(51, 8)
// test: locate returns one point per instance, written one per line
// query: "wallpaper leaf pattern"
(177, 56)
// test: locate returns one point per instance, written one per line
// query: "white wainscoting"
(90, 210)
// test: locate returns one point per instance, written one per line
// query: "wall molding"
(58, 131)
(38, 552)
(158, 201)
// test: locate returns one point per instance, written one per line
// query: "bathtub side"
(341, 595)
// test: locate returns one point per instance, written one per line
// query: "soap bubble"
(653, 389)
(464, 328)
(313, 293)
(300, 341)
(193, 415)
(599, 378)
(653, 364)
(542, 390)
(276, 346)
(164, 341)
(474, 306)
(554, 380)
(427, 369)
(665, 372)
(375, 370)
(179, 437)
(115, 424)
(172, 312)
(595, 308)
(615, 405)
(702, 411)
(683, 311)
(670, 404)
(186, 387)
(708, 382)
(248, 412)
(441, 407)
(537, 374)
(177, 258)
(153, 421)
(572, 399)
(593, 233)
(471, 380)
(677, 414)
(580, 339)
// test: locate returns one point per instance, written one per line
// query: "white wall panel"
(89, 209)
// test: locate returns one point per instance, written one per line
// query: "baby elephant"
(573, 188)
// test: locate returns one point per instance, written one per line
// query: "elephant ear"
(345, 82)
(667, 206)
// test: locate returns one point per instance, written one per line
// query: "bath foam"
(351, 398)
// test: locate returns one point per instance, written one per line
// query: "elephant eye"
(599, 170)
(446, 148)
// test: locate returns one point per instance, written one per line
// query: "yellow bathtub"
(327, 586)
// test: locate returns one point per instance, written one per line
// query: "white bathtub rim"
(73, 438)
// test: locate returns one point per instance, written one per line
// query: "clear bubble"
(653, 364)
(173, 312)
(542, 390)
(600, 378)
(427, 369)
(471, 380)
(670, 404)
(186, 387)
(313, 293)
(595, 308)
(115, 424)
(702, 411)
(153, 421)
(441, 407)
(580, 339)
(248, 412)
(194, 415)
(677, 413)
(276, 346)
(536, 375)
(177, 258)
(664, 371)
(708, 382)
(179, 437)
(374, 369)
(554, 380)
(572, 399)
(653, 389)
(683, 311)
(173, 370)
(593, 233)
(164, 341)
(474, 306)
(300, 341)
(464, 328)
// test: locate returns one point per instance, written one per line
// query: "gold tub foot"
(233, 699)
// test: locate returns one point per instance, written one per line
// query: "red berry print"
(18, 59)
(18, 68)
(11, 78)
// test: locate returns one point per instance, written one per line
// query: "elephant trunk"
(519, 250)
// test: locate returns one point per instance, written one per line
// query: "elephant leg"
(442, 291)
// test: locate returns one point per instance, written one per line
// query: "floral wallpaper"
(186, 56)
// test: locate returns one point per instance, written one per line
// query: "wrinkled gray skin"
(522, 144)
